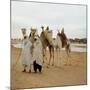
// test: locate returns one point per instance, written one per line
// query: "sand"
(74, 73)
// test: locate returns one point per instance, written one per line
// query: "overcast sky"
(56, 16)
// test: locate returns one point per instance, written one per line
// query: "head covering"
(47, 28)
(42, 27)
(23, 31)
(62, 30)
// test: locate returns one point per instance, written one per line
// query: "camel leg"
(50, 55)
(53, 55)
(57, 54)
(67, 56)
(44, 55)
(68, 50)
(45, 58)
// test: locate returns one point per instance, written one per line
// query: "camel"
(60, 43)
(46, 39)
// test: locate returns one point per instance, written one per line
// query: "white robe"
(26, 56)
(38, 53)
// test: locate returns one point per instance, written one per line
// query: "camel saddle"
(63, 39)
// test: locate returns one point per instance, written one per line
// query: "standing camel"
(60, 42)
(46, 39)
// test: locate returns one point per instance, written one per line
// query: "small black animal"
(37, 66)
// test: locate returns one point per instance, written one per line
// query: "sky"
(56, 16)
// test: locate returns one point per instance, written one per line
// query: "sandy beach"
(58, 75)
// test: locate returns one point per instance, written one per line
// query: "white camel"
(57, 43)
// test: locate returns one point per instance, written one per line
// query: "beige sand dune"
(58, 75)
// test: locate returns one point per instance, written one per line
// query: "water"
(78, 47)
(74, 47)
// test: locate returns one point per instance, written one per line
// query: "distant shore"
(75, 47)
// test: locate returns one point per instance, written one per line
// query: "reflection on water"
(74, 47)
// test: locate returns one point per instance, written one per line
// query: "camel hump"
(48, 35)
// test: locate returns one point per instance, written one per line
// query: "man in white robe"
(26, 54)
(38, 52)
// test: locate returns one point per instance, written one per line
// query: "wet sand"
(74, 73)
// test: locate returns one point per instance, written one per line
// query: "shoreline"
(78, 48)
